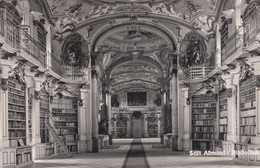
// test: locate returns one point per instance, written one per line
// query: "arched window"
(10, 22)
(250, 21)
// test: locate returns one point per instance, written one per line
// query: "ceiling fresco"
(135, 41)
(81, 10)
(135, 74)
(127, 39)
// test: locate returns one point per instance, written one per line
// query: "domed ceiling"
(134, 41)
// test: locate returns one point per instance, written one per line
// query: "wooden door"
(137, 129)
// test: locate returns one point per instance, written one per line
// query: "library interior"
(136, 83)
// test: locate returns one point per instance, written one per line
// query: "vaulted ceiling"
(135, 41)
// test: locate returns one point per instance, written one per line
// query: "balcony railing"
(199, 72)
(233, 43)
(17, 38)
(57, 66)
(11, 33)
(31, 47)
(68, 72)
(75, 73)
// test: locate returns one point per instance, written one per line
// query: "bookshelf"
(223, 116)
(203, 121)
(247, 108)
(17, 121)
(29, 119)
(44, 117)
(152, 127)
(65, 112)
(121, 128)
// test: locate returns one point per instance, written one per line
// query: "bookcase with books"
(29, 141)
(203, 121)
(223, 115)
(247, 108)
(44, 117)
(65, 112)
(17, 121)
(152, 126)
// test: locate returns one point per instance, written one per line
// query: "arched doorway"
(137, 124)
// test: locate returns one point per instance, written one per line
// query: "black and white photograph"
(129, 83)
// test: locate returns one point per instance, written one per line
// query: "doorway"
(137, 124)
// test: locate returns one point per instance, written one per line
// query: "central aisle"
(136, 156)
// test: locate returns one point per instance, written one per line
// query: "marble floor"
(156, 158)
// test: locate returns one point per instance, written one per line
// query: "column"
(145, 126)
(36, 138)
(218, 47)
(174, 113)
(186, 120)
(159, 125)
(108, 108)
(115, 133)
(231, 107)
(83, 120)
(163, 111)
(128, 131)
(94, 111)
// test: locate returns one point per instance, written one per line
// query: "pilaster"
(128, 124)
(145, 126)
(94, 109)
(84, 130)
(186, 121)
(174, 105)
(5, 68)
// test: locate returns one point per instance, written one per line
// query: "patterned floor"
(156, 157)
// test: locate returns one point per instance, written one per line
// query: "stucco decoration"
(75, 52)
(193, 52)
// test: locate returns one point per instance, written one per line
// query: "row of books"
(43, 105)
(15, 107)
(248, 92)
(248, 121)
(222, 107)
(223, 121)
(205, 110)
(248, 130)
(204, 116)
(247, 86)
(204, 104)
(66, 118)
(17, 133)
(11, 95)
(16, 101)
(15, 91)
(17, 116)
(223, 128)
(64, 110)
(15, 85)
(203, 129)
(223, 136)
(247, 104)
(223, 113)
(65, 106)
(246, 113)
(16, 124)
(203, 136)
(205, 122)
(248, 98)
